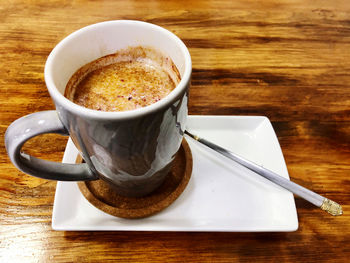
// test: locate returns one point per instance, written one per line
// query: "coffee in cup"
(127, 142)
(131, 78)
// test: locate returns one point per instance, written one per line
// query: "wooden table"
(287, 60)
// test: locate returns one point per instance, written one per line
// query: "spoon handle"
(325, 204)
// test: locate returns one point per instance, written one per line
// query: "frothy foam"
(129, 79)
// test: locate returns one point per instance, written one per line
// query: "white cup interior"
(97, 40)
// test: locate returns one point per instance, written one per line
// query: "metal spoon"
(325, 204)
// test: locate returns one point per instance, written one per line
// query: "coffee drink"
(129, 79)
(131, 149)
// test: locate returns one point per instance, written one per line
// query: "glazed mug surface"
(131, 150)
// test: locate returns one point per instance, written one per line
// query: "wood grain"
(287, 60)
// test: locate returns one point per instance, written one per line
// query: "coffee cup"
(131, 150)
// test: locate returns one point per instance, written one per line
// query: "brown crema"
(129, 79)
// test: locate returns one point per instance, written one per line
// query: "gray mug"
(131, 150)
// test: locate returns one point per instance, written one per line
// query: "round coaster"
(103, 197)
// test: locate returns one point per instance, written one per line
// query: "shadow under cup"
(131, 150)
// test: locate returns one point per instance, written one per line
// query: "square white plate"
(220, 196)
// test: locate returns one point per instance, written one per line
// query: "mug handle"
(30, 126)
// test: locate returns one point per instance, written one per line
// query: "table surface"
(287, 60)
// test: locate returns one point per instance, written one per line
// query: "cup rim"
(90, 113)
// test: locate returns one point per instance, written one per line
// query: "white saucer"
(221, 195)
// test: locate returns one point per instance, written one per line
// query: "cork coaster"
(99, 193)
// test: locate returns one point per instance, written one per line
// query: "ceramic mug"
(131, 150)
